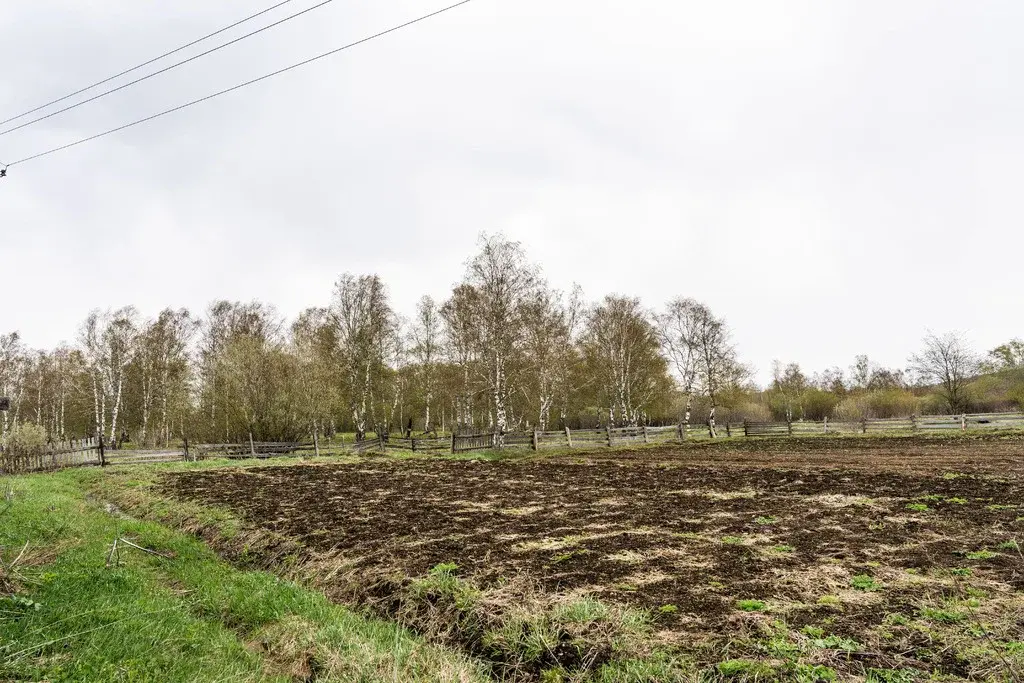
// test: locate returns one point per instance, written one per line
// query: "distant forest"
(503, 352)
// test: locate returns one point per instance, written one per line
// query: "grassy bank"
(182, 615)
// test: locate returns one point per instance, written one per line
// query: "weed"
(765, 521)
(813, 673)
(960, 571)
(891, 676)
(957, 501)
(917, 507)
(830, 601)
(942, 616)
(751, 605)
(863, 582)
(837, 643)
(565, 557)
(745, 668)
(983, 554)
(1009, 545)
(668, 609)
(813, 631)
(897, 619)
(930, 497)
(995, 507)
(732, 540)
(783, 548)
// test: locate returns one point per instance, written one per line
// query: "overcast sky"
(832, 177)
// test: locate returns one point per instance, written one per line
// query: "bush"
(880, 404)
(25, 435)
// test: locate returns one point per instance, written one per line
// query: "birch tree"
(425, 349)
(109, 342)
(462, 346)
(314, 344)
(363, 322)
(549, 328)
(163, 367)
(717, 364)
(504, 281)
(623, 352)
(678, 328)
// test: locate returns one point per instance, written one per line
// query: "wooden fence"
(53, 456)
(86, 452)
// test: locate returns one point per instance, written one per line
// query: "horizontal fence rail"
(92, 452)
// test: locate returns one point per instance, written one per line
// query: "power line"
(146, 63)
(243, 85)
(166, 69)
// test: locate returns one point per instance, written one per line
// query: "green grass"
(751, 605)
(863, 582)
(190, 617)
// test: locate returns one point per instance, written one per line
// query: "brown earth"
(787, 522)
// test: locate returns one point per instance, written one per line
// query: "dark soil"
(699, 527)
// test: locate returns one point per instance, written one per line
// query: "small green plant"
(951, 475)
(765, 521)
(837, 643)
(751, 605)
(830, 601)
(917, 507)
(960, 571)
(20, 603)
(957, 501)
(746, 669)
(444, 569)
(995, 507)
(983, 554)
(1009, 545)
(941, 616)
(565, 557)
(897, 619)
(732, 540)
(813, 631)
(813, 673)
(891, 676)
(931, 497)
(863, 582)
(668, 609)
(783, 548)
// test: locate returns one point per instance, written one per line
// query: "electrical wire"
(167, 68)
(147, 63)
(242, 85)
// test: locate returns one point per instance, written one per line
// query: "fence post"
(863, 425)
(826, 424)
(536, 438)
(609, 430)
(745, 431)
(185, 441)
(963, 422)
(646, 440)
(316, 442)
(789, 424)
(103, 457)
(413, 440)
(568, 436)
(453, 442)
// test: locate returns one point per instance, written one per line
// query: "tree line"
(504, 351)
